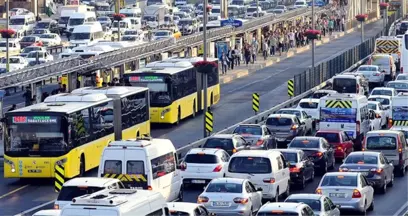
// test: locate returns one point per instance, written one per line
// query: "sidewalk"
(243, 70)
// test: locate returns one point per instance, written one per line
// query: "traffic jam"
(352, 135)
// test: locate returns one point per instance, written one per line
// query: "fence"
(327, 69)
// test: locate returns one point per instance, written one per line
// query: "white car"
(187, 209)
(50, 39)
(386, 102)
(373, 74)
(15, 63)
(402, 77)
(375, 120)
(379, 110)
(41, 56)
(349, 190)
(404, 129)
(29, 49)
(384, 91)
(19, 11)
(310, 106)
(162, 34)
(48, 212)
(14, 46)
(320, 204)
(300, 4)
(231, 196)
(201, 165)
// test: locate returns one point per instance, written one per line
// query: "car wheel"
(303, 183)
(312, 176)
(181, 194)
(287, 192)
(391, 183)
(371, 208)
(383, 189)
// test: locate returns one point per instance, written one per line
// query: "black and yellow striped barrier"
(291, 88)
(209, 121)
(339, 104)
(126, 177)
(255, 102)
(59, 177)
(387, 46)
(400, 123)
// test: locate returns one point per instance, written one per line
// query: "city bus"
(66, 129)
(176, 89)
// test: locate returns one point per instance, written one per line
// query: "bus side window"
(102, 120)
(80, 127)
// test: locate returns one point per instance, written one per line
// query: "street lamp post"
(362, 23)
(313, 41)
(7, 39)
(257, 9)
(204, 75)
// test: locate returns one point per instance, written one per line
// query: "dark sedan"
(373, 165)
(300, 166)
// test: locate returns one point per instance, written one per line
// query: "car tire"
(303, 183)
(181, 194)
(391, 183)
(383, 189)
(287, 192)
(312, 176)
(371, 208)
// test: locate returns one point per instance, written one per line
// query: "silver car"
(349, 190)
(257, 136)
(373, 165)
(373, 74)
(231, 196)
(320, 204)
(302, 116)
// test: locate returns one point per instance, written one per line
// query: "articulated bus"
(67, 129)
(176, 90)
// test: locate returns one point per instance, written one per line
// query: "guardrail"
(55, 49)
(75, 64)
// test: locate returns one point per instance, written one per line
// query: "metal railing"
(76, 64)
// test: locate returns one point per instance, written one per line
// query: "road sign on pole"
(291, 88)
(209, 124)
(255, 102)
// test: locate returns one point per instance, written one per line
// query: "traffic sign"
(291, 88)
(231, 22)
(255, 102)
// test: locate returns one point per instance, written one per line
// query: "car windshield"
(201, 158)
(313, 203)
(76, 21)
(402, 77)
(130, 33)
(381, 92)
(345, 85)
(397, 85)
(224, 188)
(361, 159)
(253, 165)
(291, 157)
(299, 3)
(251, 9)
(35, 55)
(149, 18)
(81, 36)
(103, 19)
(366, 68)
(70, 192)
(372, 106)
(383, 101)
(248, 130)
(274, 121)
(339, 180)
(28, 39)
(29, 49)
(381, 143)
(303, 143)
(11, 60)
(292, 112)
(17, 21)
(330, 137)
(161, 33)
(42, 25)
(309, 105)
(185, 22)
(221, 143)
(129, 38)
(215, 10)
(49, 36)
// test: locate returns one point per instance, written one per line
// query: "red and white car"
(341, 142)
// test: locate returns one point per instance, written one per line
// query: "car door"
(302, 126)
(255, 196)
(386, 167)
(367, 191)
(328, 151)
(307, 119)
(347, 141)
(268, 137)
(285, 174)
(334, 211)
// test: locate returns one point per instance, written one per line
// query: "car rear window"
(255, 165)
(113, 167)
(225, 144)
(309, 105)
(382, 92)
(70, 192)
(248, 130)
(365, 68)
(224, 188)
(398, 85)
(291, 112)
(330, 137)
(381, 143)
(301, 143)
(383, 101)
(340, 180)
(402, 77)
(135, 167)
(344, 85)
(201, 159)
(313, 203)
(361, 159)
(279, 121)
(291, 157)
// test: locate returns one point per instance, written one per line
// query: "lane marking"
(13, 191)
(35, 208)
(399, 211)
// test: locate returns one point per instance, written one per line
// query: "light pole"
(204, 75)
(384, 18)
(7, 39)
(362, 23)
(313, 41)
(257, 9)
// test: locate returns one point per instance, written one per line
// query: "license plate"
(338, 195)
(198, 181)
(220, 203)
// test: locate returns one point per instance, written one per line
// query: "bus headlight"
(11, 163)
(164, 112)
(61, 162)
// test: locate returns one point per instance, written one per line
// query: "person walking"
(247, 54)
(265, 49)
(272, 44)
(231, 55)
(224, 61)
(238, 55)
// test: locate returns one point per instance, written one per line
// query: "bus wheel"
(82, 166)
(194, 109)
(178, 116)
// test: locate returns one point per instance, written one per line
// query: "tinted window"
(70, 192)
(179, 213)
(249, 165)
(319, 95)
(381, 143)
(381, 92)
(383, 101)
(291, 157)
(201, 158)
(367, 68)
(163, 165)
(248, 130)
(314, 204)
(224, 188)
(330, 137)
(344, 85)
(292, 112)
(225, 144)
(372, 106)
(135, 167)
(279, 121)
(102, 120)
(301, 143)
(340, 181)
(397, 85)
(278, 213)
(309, 105)
(361, 159)
(134, 109)
(112, 167)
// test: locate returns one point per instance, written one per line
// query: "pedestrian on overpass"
(27, 95)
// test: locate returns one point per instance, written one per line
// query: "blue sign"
(222, 46)
(231, 22)
(400, 113)
(338, 115)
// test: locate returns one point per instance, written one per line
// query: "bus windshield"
(39, 135)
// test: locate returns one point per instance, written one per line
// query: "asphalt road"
(17, 195)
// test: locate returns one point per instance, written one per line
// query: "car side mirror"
(338, 206)
(178, 166)
(259, 189)
(212, 214)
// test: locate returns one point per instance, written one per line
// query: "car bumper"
(339, 154)
(375, 79)
(287, 138)
(377, 181)
(234, 212)
(353, 204)
(296, 178)
(202, 178)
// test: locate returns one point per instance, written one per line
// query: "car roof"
(224, 136)
(250, 125)
(404, 128)
(307, 138)
(369, 66)
(383, 88)
(281, 116)
(90, 181)
(291, 109)
(305, 196)
(380, 96)
(383, 132)
(290, 150)
(341, 174)
(329, 131)
(374, 102)
(212, 151)
(256, 153)
(372, 153)
(284, 206)
(182, 206)
(315, 100)
(228, 180)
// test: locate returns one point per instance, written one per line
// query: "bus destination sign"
(35, 119)
(146, 79)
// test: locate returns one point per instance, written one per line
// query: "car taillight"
(358, 127)
(149, 187)
(357, 88)
(240, 200)
(183, 166)
(269, 180)
(202, 199)
(294, 170)
(343, 170)
(217, 168)
(390, 123)
(319, 191)
(234, 150)
(56, 206)
(318, 154)
(294, 127)
(356, 194)
(376, 171)
(259, 142)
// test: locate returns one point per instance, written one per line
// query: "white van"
(87, 34)
(77, 19)
(81, 186)
(125, 25)
(24, 23)
(119, 202)
(349, 83)
(131, 12)
(48, 212)
(346, 112)
(145, 163)
(267, 169)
